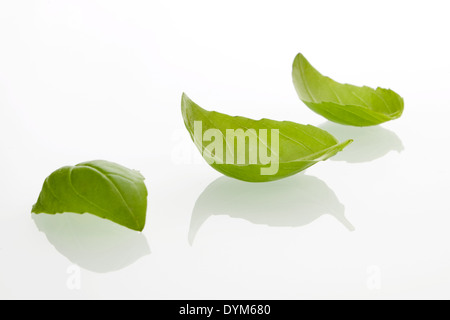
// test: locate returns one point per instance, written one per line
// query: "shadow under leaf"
(369, 143)
(291, 202)
(92, 243)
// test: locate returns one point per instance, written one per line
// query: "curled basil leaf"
(344, 103)
(102, 188)
(256, 150)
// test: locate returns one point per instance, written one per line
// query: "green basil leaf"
(256, 150)
(102, 188)
(344, 103)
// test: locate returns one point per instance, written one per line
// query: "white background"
(84, 80)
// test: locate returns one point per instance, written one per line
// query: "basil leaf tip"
(102, 188)
(256, 150)
(344, 103)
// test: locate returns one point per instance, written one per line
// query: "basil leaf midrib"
(115, 188)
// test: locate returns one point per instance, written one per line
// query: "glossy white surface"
(84, 80)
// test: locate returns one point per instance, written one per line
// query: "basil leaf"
(102, 188)
(344, 103)
(242, 148)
